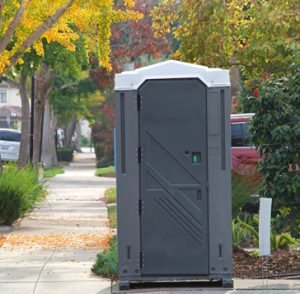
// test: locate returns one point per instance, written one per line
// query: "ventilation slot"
(123, 142)
(220, 250)
(128, 252)
(223, 147)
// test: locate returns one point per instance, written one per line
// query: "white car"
(9, 144)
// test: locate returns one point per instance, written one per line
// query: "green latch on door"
(196, 157)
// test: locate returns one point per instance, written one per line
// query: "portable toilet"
(173, 174)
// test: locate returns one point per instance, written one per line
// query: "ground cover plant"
(112, 216)
(20, 190)
(52, 172)
(105, 171)
(110, 195)
(107, 262)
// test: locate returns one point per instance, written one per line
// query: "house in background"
(10, 105)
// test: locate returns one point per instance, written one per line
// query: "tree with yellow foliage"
(28, 26)
(25, 23)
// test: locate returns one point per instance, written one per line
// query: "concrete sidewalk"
(53, 249)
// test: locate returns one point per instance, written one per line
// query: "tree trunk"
(78, 135)
(69, 131)
(25, 127)
(43, 86)
(235, 80)
(49, 156)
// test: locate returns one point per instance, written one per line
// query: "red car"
(244, 155)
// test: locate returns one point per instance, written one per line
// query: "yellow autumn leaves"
(89, 18)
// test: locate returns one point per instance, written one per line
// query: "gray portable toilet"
(173, 174)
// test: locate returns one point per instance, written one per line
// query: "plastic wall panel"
(127, 184)
(219, 180)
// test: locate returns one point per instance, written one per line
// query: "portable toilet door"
(173, 177)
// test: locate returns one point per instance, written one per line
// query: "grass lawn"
(112, 215)
(105, 171)
(52, 172)
(110, 195)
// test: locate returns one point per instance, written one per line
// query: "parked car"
(9, 144)
(244, 155)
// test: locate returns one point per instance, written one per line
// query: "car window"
(236, 135)
(246, 134)
(240, 134)
(10, 136)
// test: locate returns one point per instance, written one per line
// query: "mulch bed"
(280, 264)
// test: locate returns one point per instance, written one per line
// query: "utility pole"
(32, 118)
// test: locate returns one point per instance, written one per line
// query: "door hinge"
(138, 102)
(207, 186)
(139, 154)
(140, 207)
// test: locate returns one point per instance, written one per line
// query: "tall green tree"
(258, 36)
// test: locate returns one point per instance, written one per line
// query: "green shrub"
(278, 241)
(275, 131)
(19, 192)
(282, 241)
(110, 195)
(85, 141)
(65, 154)
(107, 262)
(240, 236)
(105, 162)
(105, 171)
(242, 189)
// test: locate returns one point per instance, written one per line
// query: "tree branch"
(69, 85)
(38, 33)
(2, 4)
(13, 26)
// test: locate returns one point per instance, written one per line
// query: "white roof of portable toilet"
(171, 69)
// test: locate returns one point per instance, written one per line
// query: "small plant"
(110, 195)
(254, 252)
(287, 220)
(20, 190)
(282, 241)
(251, 229)
(107, 262)
(278, 241)
(240, 236)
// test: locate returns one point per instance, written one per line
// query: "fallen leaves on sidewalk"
(52, 240)
(2, 240)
